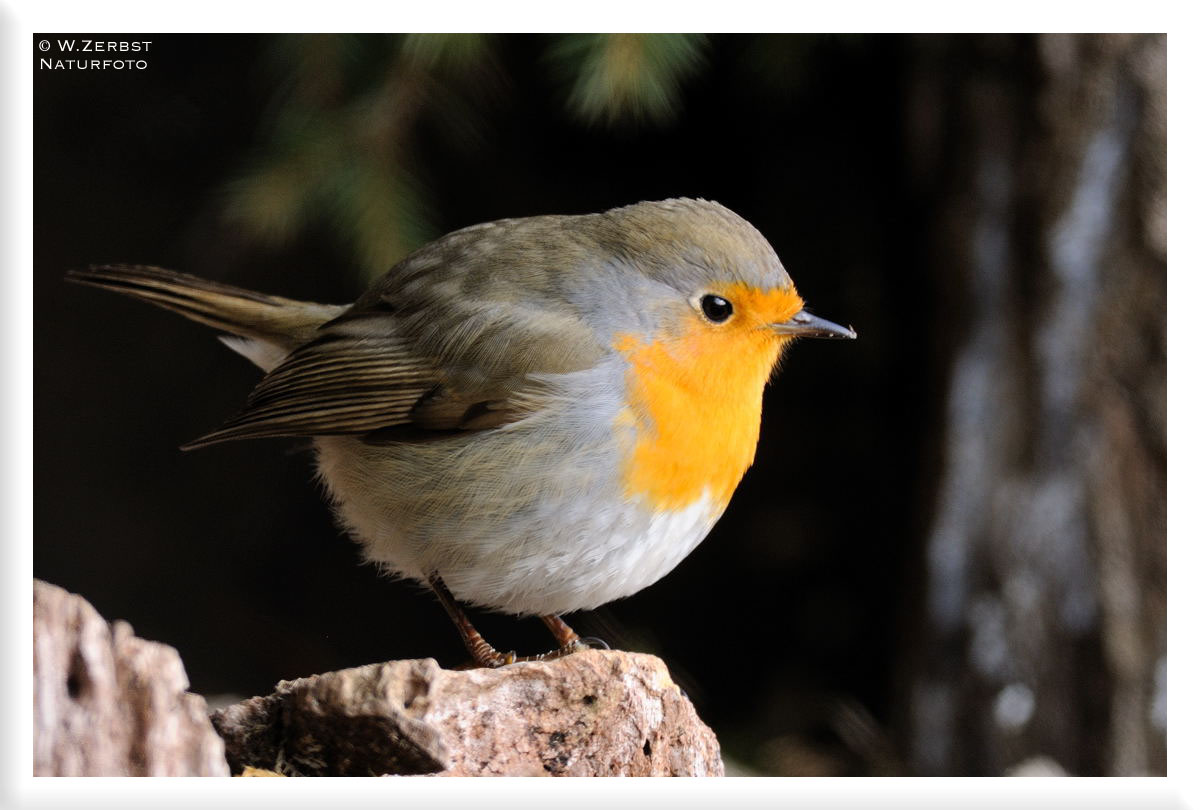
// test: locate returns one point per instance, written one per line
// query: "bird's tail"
(267, 327)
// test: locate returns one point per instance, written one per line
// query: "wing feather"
(431, 349)
(337, 384)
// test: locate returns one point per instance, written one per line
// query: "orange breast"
(695, 401)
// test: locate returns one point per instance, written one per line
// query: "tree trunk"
(1046, 557)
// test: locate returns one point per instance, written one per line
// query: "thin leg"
(568, 640)
(483, 653)
(562, 632)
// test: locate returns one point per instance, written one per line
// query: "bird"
(534, 415)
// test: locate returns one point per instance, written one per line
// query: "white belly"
(575, 544)
(590, 562)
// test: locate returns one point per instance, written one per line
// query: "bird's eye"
(716, 308)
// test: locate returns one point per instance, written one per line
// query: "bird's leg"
(484, 654)
(561, 631)
(568, 640)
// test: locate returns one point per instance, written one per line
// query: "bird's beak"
(805, 324)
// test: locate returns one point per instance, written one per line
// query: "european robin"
(534, 415)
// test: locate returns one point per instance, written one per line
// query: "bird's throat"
(695, 403)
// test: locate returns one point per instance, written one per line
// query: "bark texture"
(106, 703)
(1046, 558)
(595, 713)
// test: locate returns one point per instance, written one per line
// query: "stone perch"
(108, 703)
(595, 713)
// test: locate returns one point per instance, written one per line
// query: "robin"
(535, 415)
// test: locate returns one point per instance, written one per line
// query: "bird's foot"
(494, 659)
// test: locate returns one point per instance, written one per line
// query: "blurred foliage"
(334, 148)
(337, 138)
(626, 76)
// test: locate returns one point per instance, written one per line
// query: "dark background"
(801, 627)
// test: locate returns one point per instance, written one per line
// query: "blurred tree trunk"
(1045, 609)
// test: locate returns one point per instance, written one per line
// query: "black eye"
(716, 308)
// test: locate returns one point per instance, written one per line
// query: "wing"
(401, 373)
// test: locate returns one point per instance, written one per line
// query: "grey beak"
(805, 324)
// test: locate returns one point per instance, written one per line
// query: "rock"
(594, 713)
(106, 703)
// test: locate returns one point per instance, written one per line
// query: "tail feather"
(281, 323)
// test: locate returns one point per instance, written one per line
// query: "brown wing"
(351, 379)
(363, 375)
(436, 344)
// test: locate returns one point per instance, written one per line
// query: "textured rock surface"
(592, 713)
(106, 703)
